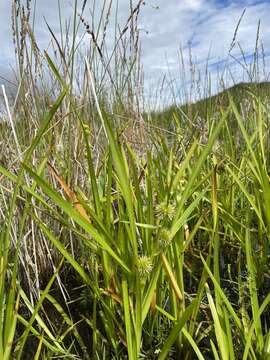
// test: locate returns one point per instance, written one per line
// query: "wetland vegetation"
(128, 233)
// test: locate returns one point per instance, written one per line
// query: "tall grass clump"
(124, 236)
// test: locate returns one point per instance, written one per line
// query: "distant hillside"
(238, 93)
(206, 107)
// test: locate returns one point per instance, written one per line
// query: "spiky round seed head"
(165, 238)
(144, 265)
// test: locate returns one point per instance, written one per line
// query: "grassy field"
(127, 234)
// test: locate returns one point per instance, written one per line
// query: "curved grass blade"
(175, 332)
(73, 213)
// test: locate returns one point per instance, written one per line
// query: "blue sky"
(205, 26)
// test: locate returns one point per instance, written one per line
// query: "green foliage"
(116, 250)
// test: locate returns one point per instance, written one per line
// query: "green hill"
(206, 108)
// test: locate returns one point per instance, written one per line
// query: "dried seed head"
(186, 231)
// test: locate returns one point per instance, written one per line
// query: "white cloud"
(205, 27)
